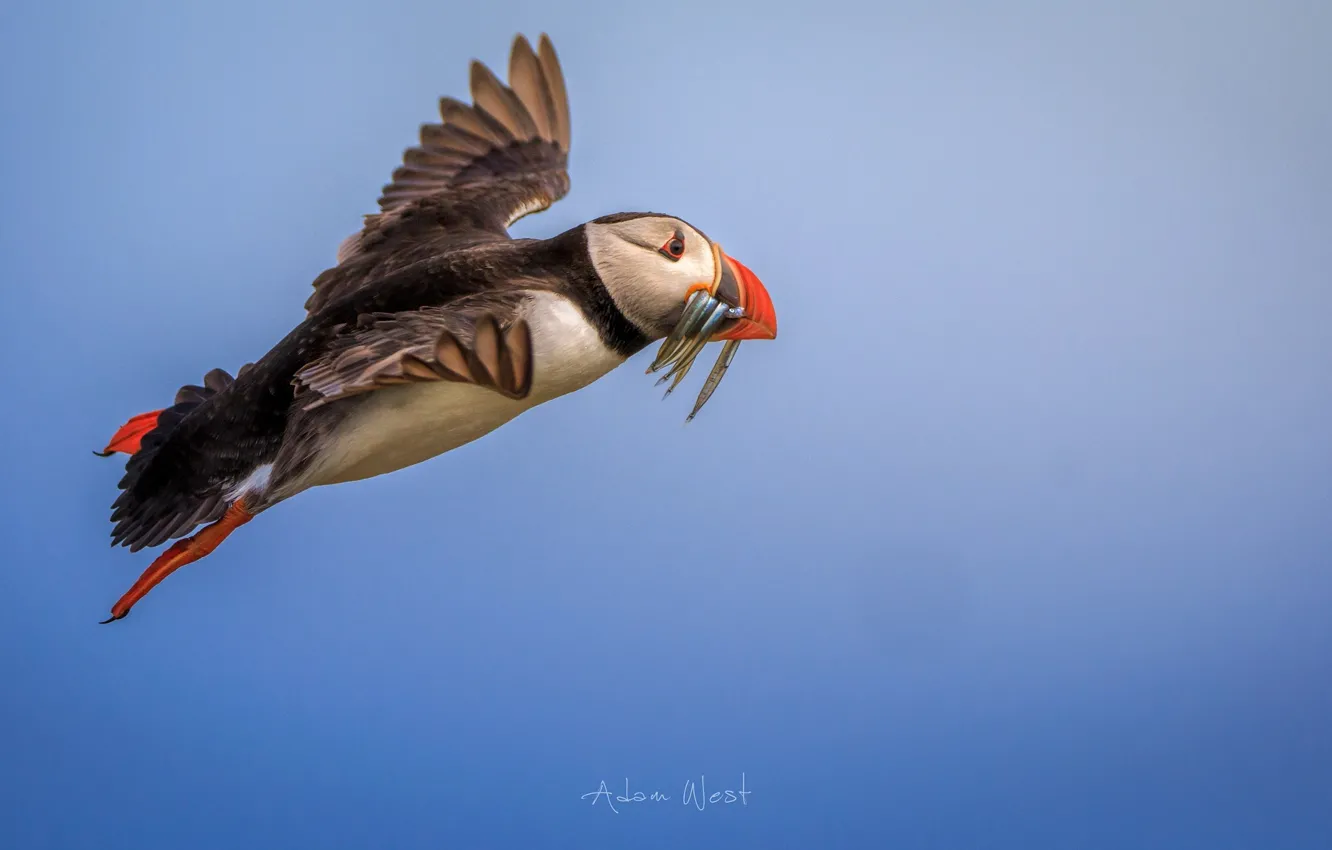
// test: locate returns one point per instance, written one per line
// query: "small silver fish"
(735, 296)
(701, 318)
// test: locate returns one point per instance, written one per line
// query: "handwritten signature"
(693, 794)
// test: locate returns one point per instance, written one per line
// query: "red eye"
(674, 247)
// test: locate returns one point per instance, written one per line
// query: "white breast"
(404, 425)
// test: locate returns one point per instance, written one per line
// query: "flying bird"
(434, 327)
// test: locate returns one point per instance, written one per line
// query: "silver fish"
(695, 313)
(701, 318)
(728, 351)
(685, 359)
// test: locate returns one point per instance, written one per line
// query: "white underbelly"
(400, 426)
(405, 425)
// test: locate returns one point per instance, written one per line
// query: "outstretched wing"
(471, 177)
(475, 340)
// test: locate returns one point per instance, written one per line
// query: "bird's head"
(671, 281)
(652, 265)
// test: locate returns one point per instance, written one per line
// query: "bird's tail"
(162, 496)
(156, 425)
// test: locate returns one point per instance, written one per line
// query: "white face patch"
(648, 286)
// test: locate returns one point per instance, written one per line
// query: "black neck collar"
(570, 250)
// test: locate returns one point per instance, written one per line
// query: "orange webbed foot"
(129, 436)
(180, 553)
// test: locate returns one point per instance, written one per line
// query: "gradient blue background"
(1020, 535)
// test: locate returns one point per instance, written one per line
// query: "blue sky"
(1017, 537)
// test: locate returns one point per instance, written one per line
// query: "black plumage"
(207, 447)
(437, 256)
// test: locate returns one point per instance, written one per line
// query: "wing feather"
(462, 342)
(499, 102)
(554, 76)
(486, 165)
(529, 83)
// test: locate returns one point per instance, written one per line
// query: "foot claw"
(179, 554)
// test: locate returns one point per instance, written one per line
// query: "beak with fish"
(733, 307)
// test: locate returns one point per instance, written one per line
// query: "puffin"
(434, 328)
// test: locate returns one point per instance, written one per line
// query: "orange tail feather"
(180, 553)
(128, 438)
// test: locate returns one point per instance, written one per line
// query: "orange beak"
(741, 288)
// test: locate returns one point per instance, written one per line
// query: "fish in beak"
(733, 307)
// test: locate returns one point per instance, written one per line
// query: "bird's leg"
(182, 552)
